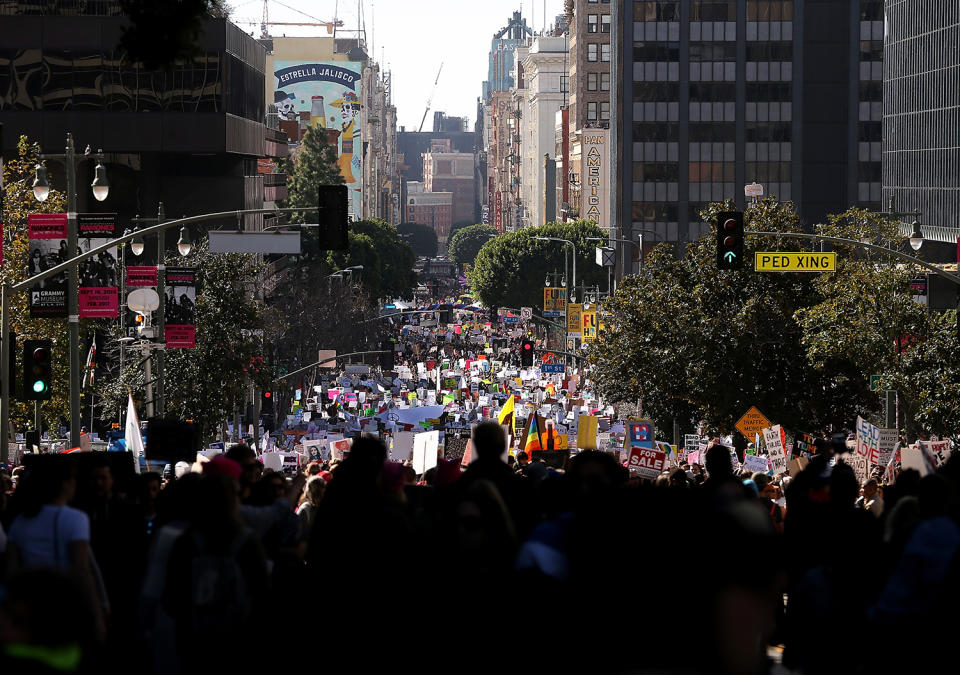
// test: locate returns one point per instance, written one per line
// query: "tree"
(207, 383)
(387, 260)
(688, 340)
(509, 270)
(459, 225)
(18, 203)
(463, 247)
(313, 164)
(422, 238)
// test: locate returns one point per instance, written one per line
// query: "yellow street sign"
(752, 423)
(775, 261)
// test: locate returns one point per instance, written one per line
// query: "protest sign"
(874, 443)
(586, 432)
(775, 450)
(755, 463)
(859, 463)
(425, 446)
(402, 449)
(646, 463)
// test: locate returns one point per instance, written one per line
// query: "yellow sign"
(573, 319)
(752, 423)
(554, 301)
(588, 323)
(794, 262)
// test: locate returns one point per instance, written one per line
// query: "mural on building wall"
(326, 96)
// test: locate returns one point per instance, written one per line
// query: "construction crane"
(430, 98)
(265, 20)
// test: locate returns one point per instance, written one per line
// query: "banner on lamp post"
(180, 321)
(48, 248)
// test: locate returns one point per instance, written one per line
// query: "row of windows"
(767, 152)
(656, 111)
(663, 172)
(769, 112)
(602, 78)
(712, 10)
(713, 112)
(713, 131)
(598, 24)
(648, 213)
(657, 51)
(594, 49)
(769, 91)
(656, 11)
(767, 172)
(603, 110)
(656, 152)
(708, 172)
(656, 192)
(653, 131)
(713, 51)
(768, 132)
(709, 152)
(653, 71)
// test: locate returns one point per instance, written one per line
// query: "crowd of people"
(357, 559)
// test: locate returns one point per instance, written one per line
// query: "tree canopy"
(422, 238)
(387, 260)
(692, 342)
(509, 270)
(465, 244)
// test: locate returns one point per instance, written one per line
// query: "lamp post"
(100, 187)
(573, 246)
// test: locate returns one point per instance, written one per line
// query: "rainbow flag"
(533, 436)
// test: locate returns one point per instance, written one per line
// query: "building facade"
(590, 24)
(433, 209)
(711, 96)
(921, 116)
(545, 79)
(501, 60)
(190, 138)
(452, 172)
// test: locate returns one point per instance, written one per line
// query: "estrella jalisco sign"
(316, 72)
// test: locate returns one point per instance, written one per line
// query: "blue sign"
(511, 319)
(553, 368)
(553, 314)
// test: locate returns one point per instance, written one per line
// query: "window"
(591, 23)
(591, 52)
(564, 83)
(591, 81)
(605, 53)
(605, 110)
(604, 81)
(592, 110)
(605, 23)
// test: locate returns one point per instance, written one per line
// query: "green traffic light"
(39, 386)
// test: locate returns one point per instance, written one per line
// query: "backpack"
(220, 602)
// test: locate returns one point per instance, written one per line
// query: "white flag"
(132, 433)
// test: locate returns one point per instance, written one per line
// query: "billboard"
(325, 96)
(594, 177)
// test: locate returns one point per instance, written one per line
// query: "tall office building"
(921, 116)
(711, 96)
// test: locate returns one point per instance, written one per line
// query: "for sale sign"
(646, 463)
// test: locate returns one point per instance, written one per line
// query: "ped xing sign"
(794, 262)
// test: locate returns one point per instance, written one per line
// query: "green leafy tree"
(690, 341)
(207, 383)
(463, 247)
(509, 270)
(459, 225)
(422, 238)
(387, 260)
(18, 204)
(314, 163)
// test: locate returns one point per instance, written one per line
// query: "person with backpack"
(217, 581)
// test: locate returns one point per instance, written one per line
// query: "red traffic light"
(41, 354)
(527, 345)
(730, 225)
(267, 394)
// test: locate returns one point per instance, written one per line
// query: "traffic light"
(526, 353)
(332, 233)
(37, 369)
(386, 359)
(730, 240)
(266, 411)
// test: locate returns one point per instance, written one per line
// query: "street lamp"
(572, 245)
(916, 238)
(100, 184)
(41, 186)
(136, 244)
(184, 244)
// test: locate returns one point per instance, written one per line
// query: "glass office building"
(714, 95)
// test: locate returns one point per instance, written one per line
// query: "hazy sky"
(411, 38)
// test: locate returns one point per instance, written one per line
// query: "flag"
(91, 366)
(132, 432)
(506, 412)
(533, 436)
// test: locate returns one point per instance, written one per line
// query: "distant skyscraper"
(921, 115)
(500, 62)
(710, 96)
